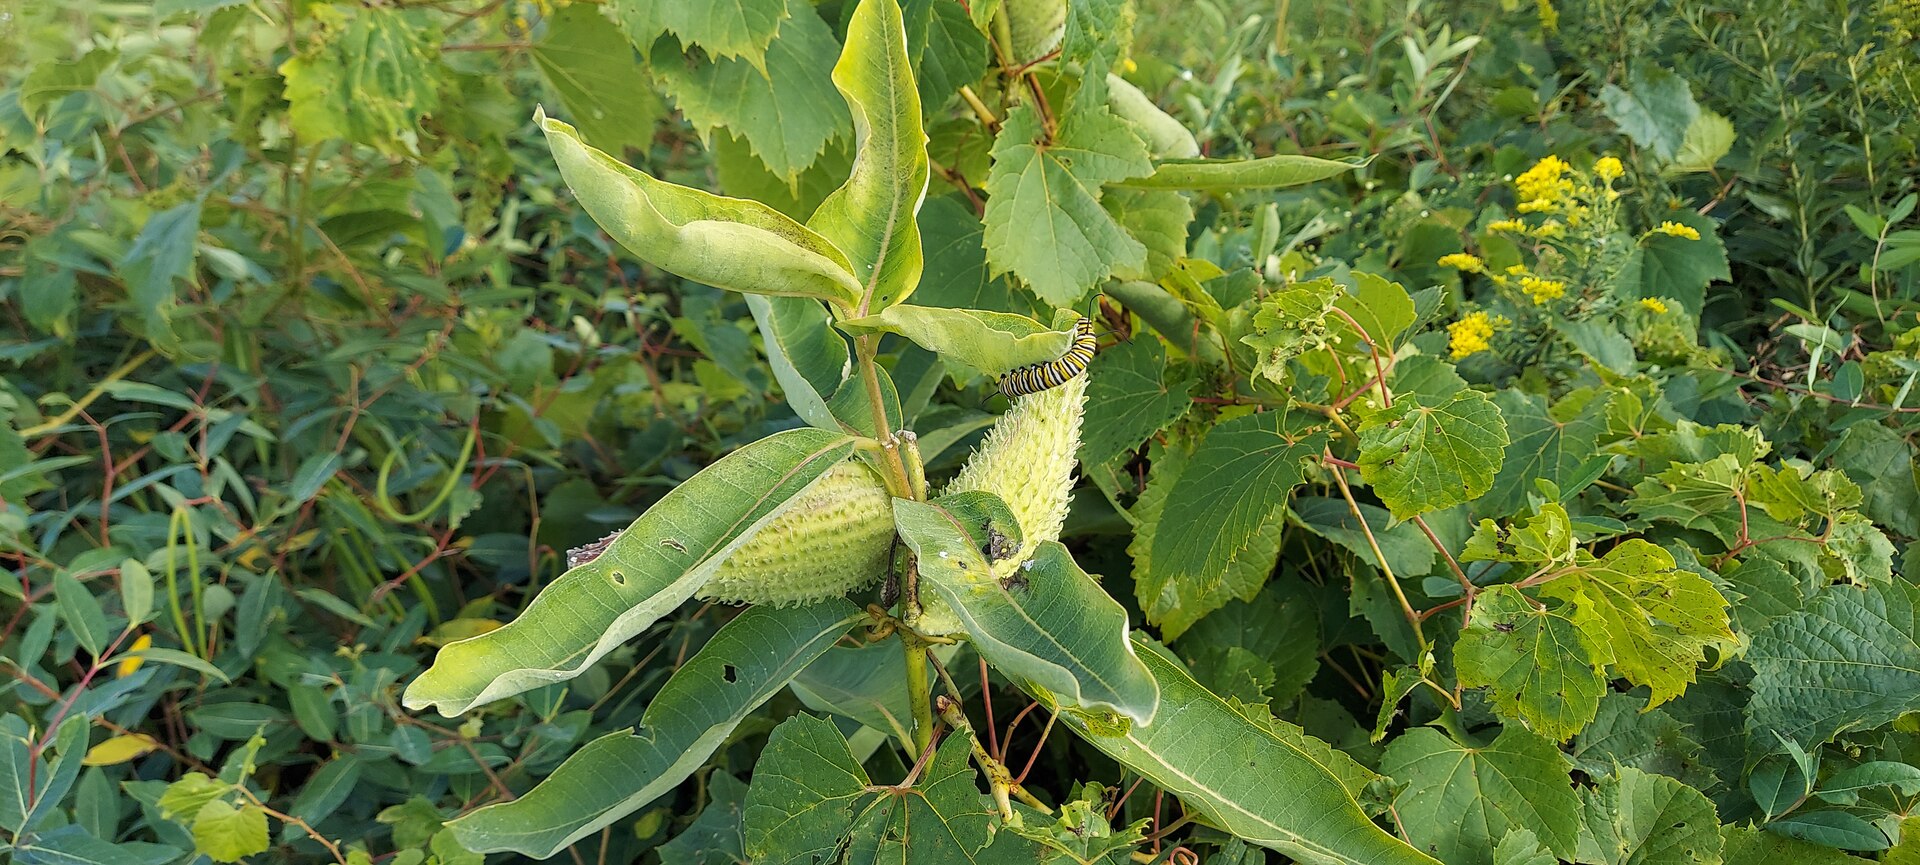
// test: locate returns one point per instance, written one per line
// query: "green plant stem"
(919, 692)
(98, 390)
(1413, 618)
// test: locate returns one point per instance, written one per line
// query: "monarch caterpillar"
(1053, 373)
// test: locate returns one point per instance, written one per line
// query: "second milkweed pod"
(835, 538)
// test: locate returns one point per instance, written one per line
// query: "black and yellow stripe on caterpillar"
(1053, 373)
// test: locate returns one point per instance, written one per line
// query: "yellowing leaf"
(1658, 619)
(129, 664)
(120, 749)
(229, 834)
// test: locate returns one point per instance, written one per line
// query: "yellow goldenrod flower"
(1655, 304)
(1517, 269)
(1549, 229)
(1675, 229)
(1608, 169)
(1463, 262)
(1545, 181)
(1514, 225)
(1537, 205)
(1542, 290)
(1469, 335)
(134, 659)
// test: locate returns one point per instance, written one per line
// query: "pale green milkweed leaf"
(809, 360)
(1539, 666)
(1460, 802)
(724, 242)
(650, 568)
(867, 683)
(989, 343)
(744, 665)
(1427, 453)
(1224, 500)
(1244, 776)
(874, 217)
(1228, 174)
(1049, 625)
(1634, 818)
(1849, 661)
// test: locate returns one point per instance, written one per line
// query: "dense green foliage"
(1504, 442)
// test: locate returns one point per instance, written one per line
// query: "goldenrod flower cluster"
(1542, 290)
(1675, 229)
(1463, 262)
(1655, 304)
(1471, 334)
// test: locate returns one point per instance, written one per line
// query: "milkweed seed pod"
(835, 539)
(1027, 460)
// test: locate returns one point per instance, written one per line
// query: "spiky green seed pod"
(1027, 460)
(836, 538)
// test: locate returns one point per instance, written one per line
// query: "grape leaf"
(366, 75)
(1044, 219)
(1658, 619)
(1882, 463)
(1158, 218)
(1408, 552)
(1849, 661)
(1175, 605)
(1276, 636)
(716, 836)
(726, 28)
(805, 784)
(1633, 818)
(1290, 322)
(1745, 844)
(597, 75)
(1130, 397)
(1427, 453)
(948, 52)
(1459, 802)
(787, 114)
(956, 274)
(1651, 740)
(1655, 109)
(1522, 847)
(1675, 267)
(1541, 667)
(1238, 478)
(940, 821)
(1545, 443)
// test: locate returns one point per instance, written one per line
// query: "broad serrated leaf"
(805, 784)
(1658, 619)
(726, 28)
(1044, 222)
(1556, 445)
(723, 242)
(1849, 661)
(1707, 140)
(1176, 605)
(1158, 218)
(940, 821)
(1408, 552)
(1279, 632)
(1290, 322)
(1131, 396)
(1654, 110)
(1427, 453)
(598, 78)
(1540, 667)
(989, 343)
(229, 834)
(786, 111)
(1459, 802)
(716, 837)
(1633, 818)
(1234, 174)
(1628, 734)
(873, 218)
(1207, 753)
(653, 566)
(956, 275)
(1676, 268)
(366, 75)
(744, 665)
(1233, 487)
(1049, 625)
(1522, 847)
(948, 52)
(1744, 844)
(1882, 463)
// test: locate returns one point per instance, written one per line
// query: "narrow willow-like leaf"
(873, 218)
(653, 566)
(729, 243)
(1217, 174)
(989, 342)
(747, 662)
(1049, 624)
(1245, 778)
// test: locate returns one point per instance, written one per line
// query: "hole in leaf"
(730, 674)
(619, 579)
